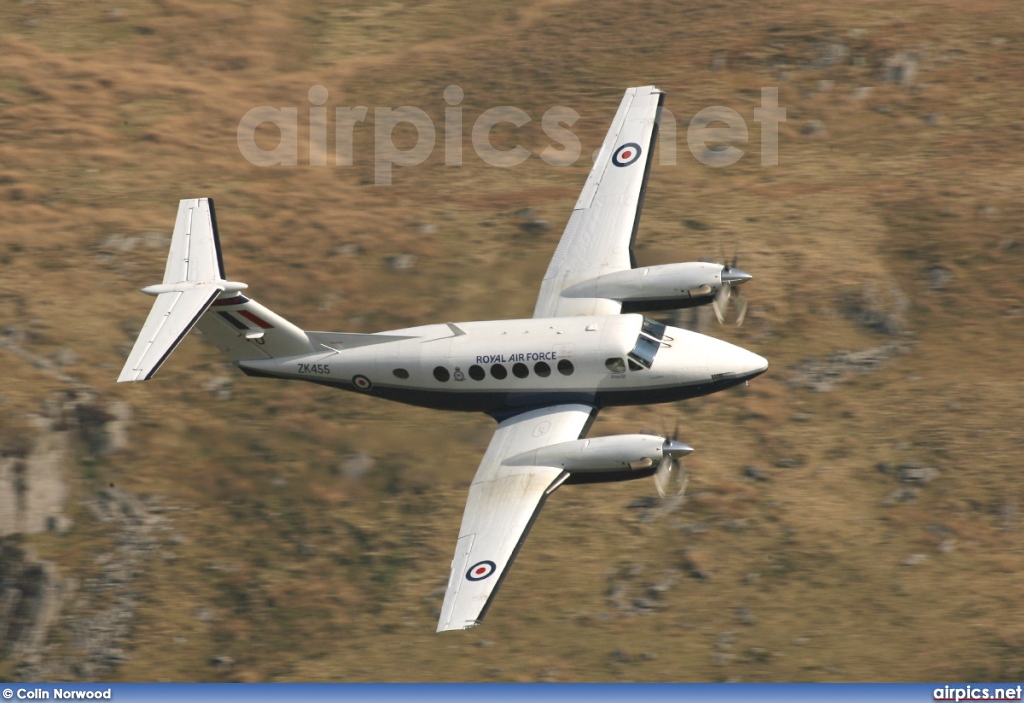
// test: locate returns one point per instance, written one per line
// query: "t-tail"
(196, 292)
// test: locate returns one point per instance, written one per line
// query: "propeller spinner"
(670, 479)
(731, 276)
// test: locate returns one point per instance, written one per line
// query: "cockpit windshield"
(653, 328)
(648, 342)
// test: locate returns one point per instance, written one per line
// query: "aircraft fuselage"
(502, 367)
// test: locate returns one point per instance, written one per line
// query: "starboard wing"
(503, 503)
(599, 236)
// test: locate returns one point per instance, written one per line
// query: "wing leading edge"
(599, 236)
(503, 503)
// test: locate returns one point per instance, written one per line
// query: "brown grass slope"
(109, 116)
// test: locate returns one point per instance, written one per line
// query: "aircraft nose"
(729, 361)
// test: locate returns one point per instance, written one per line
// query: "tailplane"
(194, 285)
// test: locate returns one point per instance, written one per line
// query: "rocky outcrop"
(33, 487)
(823, 375)
(31, 596)
(33, 493)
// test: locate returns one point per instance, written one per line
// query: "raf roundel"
(480, 570)
(362, 382)
(626, 154)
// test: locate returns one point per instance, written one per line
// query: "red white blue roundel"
(480, 570)
(626, 154)
(362, 382)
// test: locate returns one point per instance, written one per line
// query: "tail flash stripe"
(237, 324)
(257, 320)
(236, 300)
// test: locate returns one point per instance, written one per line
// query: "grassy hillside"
(812, 544)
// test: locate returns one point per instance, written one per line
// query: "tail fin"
(194, 281)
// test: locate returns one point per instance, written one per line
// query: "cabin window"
(542, 369)
(476, 372)
(499, 371)
(565, 367)
(520, 370)
(401, 373)
(441, 374)
(616, 365)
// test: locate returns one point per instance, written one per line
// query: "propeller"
(670, 478)
(731, 276)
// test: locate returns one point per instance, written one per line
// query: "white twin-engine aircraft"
(543, 379)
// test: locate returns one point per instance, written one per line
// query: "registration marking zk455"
(318, 369)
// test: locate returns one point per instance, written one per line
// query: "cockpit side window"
(650, 339)
(644, 351)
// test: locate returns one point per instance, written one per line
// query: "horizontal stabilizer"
(173, 315)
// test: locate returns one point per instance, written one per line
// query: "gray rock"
(402, 262)
(788, 462)
(755, 473)
(357, 465)
(223, 662)
(822, 375)
(32, 487)
(831, 54)
(938, 277)
(219, 387)
(347, 249)
(915, 473)
(31, 596)
(642, 503)
(64, 357)
(878, 305)
(719, 60)
(536, 226)
(759, 654)
(914, 560)
(59, 524)
(644, 603)
(813, 128)
(1007, 513)
(900, 495)
(745, 617)
(900, 68)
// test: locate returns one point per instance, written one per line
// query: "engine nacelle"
(665, 287)
(614, 453)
